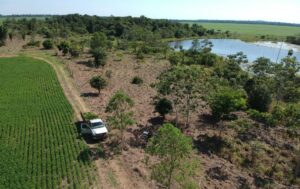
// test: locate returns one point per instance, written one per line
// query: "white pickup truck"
(95, 128)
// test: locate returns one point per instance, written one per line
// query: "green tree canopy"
(99, 40)
(98, 83)
(163, 106)
(173, 150)
(100, 56)
(119, 106)
(184, 86)
(227, 100)
(259, 95)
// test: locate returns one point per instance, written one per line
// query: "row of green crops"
(38, 140)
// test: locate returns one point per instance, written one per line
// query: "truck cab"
(95, 128)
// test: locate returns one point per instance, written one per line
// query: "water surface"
(253, 51)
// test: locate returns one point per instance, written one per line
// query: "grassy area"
(250, 30)
(38, 148)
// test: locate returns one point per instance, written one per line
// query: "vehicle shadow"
(91, 154)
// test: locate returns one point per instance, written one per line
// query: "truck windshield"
(97, 125)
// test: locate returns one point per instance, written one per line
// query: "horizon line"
(177, 19)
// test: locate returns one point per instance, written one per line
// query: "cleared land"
(39, 148)
(252, 29)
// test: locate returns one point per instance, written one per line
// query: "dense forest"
(124, 27)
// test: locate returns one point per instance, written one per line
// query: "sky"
(267, 10)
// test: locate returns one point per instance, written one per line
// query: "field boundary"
(69, 89)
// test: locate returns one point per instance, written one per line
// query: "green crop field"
(39, 146)
(252, 29)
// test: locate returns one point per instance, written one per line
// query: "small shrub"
(108, 73)
(291, 94)
(137, 80)
(292, 116)
(74, 51)
(140, 54)
(263, 117)
(64, 46)
(259, 95)
(118, 57)
(33, 44)
(89, 116)
(163, 106)
(227, 101)
(48, 44)
(98, 83)
(100, 56)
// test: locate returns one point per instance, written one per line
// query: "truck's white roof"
(96, 121)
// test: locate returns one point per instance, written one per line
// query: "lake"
(253, 51)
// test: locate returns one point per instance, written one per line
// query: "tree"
(286, 85)
(175, 58)
(227, 100)
(173, 150)
(75, 50)
(259, 95)
(261, 67)
(64, 46)
(3, 35)
(48, 44)
(98, 83)
(99, 55)
(99, 40)
(231, 70)
(120, 106)
(163, 106)
(184, 86)
(239, 58)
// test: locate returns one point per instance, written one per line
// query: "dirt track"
(106, 169)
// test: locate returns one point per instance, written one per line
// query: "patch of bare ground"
(121, 75)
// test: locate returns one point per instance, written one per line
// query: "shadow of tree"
(89, 94)
(88, 63)
(210, 144)
(156, 120)
(207, 119)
